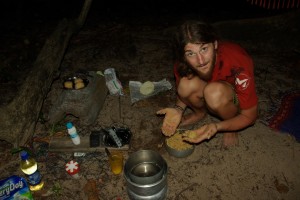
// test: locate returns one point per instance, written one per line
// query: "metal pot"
(179, 153)
(145, 172)
(145, 167)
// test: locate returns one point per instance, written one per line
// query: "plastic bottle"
(73, 133)
(29, 167)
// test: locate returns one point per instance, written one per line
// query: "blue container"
(14, 187)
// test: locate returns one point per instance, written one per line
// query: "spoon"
(108, 153)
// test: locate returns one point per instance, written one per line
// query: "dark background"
(23, 10)
(25, 24)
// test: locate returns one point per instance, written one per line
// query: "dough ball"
(79, 85)
(147, 88)
(68, 84)
(78, 80)
(190, 134)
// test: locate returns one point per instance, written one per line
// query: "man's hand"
(171, 121)
(203, 133)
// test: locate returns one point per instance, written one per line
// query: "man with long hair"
(211, 76)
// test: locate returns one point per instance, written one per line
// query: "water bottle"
(29, 167)
(73, 133)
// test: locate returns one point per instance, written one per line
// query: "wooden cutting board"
(66, 145)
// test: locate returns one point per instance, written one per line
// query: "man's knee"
(188, 87)
(217, 95)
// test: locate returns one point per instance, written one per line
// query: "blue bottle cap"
(69, 125)
(24, 155)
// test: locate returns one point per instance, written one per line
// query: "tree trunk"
(19, 117)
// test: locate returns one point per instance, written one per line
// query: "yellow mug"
(116, 162)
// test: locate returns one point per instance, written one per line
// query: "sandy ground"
(265, 165)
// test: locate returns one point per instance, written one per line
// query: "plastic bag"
(112, 82)
(134, 87)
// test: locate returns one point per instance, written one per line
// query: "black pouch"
(95, 138)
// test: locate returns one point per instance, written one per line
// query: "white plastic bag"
(135, 94)
(112, 82)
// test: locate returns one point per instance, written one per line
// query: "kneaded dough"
(68, 84)
(147, 88)
(79, 85)
(78, 80)
(190, 134)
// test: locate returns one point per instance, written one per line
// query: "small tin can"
(72, 169)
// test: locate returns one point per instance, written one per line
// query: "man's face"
(201, 57)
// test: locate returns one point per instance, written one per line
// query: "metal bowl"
(145, 167)
(179, 153)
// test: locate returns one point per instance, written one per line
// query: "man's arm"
(179, 104)
(246, 118)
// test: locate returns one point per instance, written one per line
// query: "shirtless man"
(214, 76)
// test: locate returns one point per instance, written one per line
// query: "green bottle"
(29, 167)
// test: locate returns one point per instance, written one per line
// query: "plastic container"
(29, 167)
(73, 133)
(72, 169)
(112, 82)
(14, 187)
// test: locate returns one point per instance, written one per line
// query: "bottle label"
(34, 178)
(74, 135)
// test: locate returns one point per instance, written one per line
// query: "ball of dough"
(79, 85)
(78, 80)
(190, 134)
(147, 88)
(68, 84)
